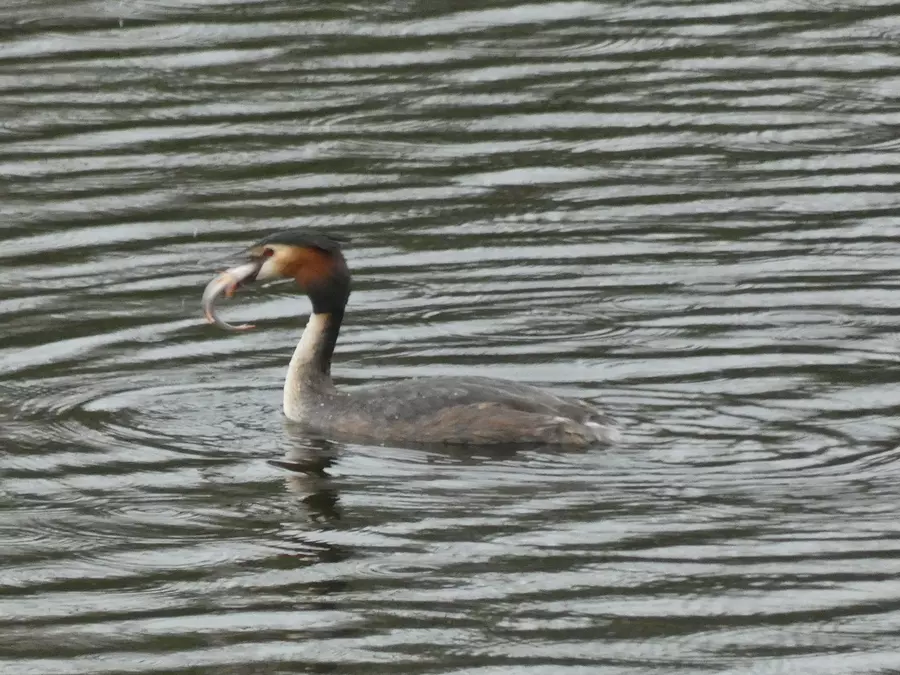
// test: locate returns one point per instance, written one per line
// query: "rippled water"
(684, 211)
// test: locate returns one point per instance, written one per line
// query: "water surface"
(682, 211)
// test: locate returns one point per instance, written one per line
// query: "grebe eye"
(268, 253)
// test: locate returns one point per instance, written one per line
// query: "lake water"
(684, 211)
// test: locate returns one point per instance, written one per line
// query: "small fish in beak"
(228, 282)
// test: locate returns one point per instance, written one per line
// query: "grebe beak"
(228, 282)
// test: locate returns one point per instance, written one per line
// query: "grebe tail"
(443, 410)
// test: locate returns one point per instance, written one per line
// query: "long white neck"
(309, 372)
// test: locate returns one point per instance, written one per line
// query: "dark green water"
(684, 211)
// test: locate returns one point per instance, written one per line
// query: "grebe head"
(313, 260)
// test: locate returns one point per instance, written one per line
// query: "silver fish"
(227, 282)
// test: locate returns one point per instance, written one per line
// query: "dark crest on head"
(305, 238)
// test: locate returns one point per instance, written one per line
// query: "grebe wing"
(485, 407)
(496, 423)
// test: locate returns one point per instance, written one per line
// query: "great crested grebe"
(443, 410)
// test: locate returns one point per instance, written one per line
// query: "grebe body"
(473, 411)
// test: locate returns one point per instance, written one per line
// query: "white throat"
(302, 375)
